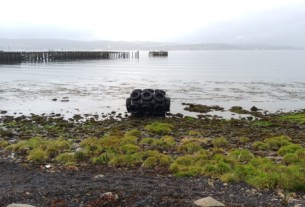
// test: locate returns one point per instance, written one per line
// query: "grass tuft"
(220, 142)
(159, 128)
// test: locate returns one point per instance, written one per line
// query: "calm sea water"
(271, 80)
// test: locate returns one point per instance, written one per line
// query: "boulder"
(208, 202)
(19, 205)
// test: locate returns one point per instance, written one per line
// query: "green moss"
(301, 154)
(103, 159)
(168, 140)
(260, 145)
(292, 178)
(130, 139)
(124, 161)
(147, 141)
(150, 162)
(274, 143)
(241, 155)
(32, 143)
(263, 180)
(220, 142)
(91, 145)
(185, 160)
(230, 177)
(294, 117)
(244, 140)
(216, 169)
(190, 165)
(164, 142)
(201, 108)
(162, 160)
(262, 163)
(133, 132)
(189, 148)
(165, 160)
(81, 156)
(55, 147)
(3, 143)
(290, 158)
(37, 155)
(51, 148)
(129, 149)
(263, 123)
(193, 133)
(291, 148)
(183, 171)
(59, 144)
(239, 110)
(66, 158)
(216, 150)
(243, 172)
(159, 128)
(189, 119)
(197, 140)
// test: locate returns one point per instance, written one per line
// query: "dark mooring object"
(148, 102)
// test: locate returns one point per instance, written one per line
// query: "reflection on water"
(272, 80)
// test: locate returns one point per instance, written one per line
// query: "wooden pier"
(52, 56)
(158, 54)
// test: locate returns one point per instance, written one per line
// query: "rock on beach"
(208, 202)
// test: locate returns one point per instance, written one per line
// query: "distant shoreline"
(62, 44)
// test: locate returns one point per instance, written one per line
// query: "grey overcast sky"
(138, 20)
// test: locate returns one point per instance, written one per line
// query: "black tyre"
(135, 109)
(128, 104)
(147, 95)
(167, 104)
(159, 96)
(137, 90)
(150, 90)
(159, 110)
(159, 90)
(146, 110)
(135, 95)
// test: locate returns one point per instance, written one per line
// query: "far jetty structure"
(52, 56)
(158, 54)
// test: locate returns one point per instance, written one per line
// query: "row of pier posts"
(158, 54)
(50, 56)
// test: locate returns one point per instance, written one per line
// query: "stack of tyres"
(148, 102)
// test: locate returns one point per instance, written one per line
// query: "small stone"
(208, 202)
(99, 176)
(48, 166)
(54, 99)
(79, 149)
(75, 146)
(3, 112)
(254, 108)
(19, 205)
(253, 191)
(110, 196)
(275, 158)
(211, 183)
(280, 193)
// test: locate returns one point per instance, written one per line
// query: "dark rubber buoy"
(148, 102)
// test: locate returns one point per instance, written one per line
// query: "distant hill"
(60, 44)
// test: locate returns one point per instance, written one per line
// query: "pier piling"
(50, 56)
